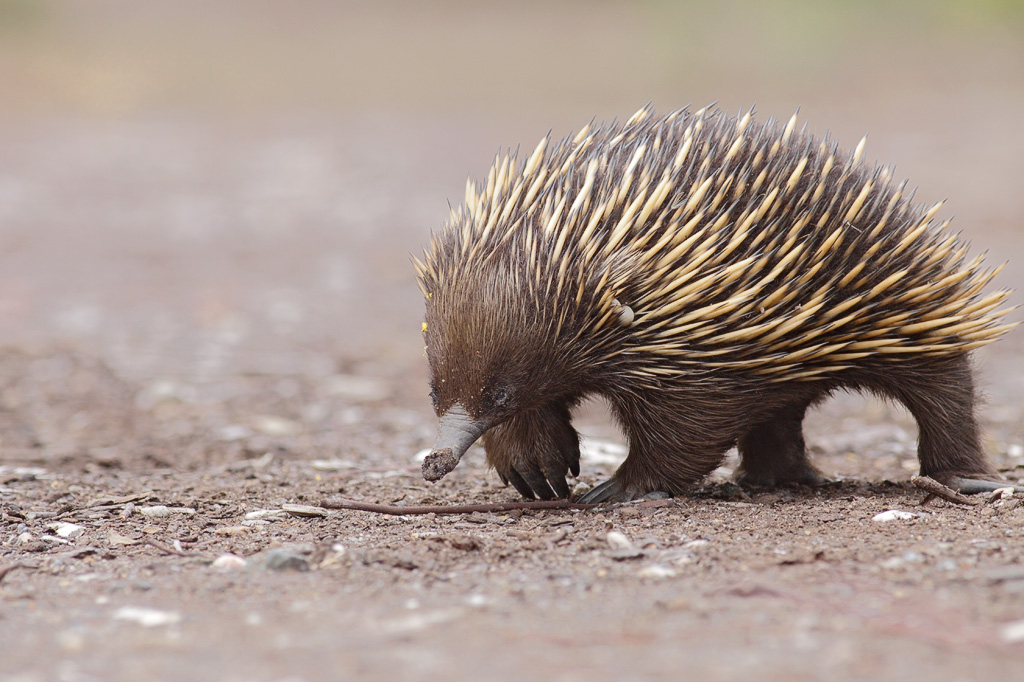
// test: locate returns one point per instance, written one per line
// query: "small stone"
(114, 538)
(233, 432)
(25, 538)
(276, 426)
(617, 540)
(148, 618)
(1012, 632)
(228, 562)
(341, 464)
(66, 530)
(466, 543)
(304, 510)
(279, 559)
(657, 571)
(893, 515)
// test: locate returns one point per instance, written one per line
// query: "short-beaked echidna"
(712, 278)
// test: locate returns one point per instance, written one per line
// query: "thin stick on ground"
(404, 510)
(936, 489)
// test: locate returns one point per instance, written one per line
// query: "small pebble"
(66, 530)
(1012, 632)
(617, 540)
(148, 618)
(276, 426)
(657, 571)
(228, 562)
(279, 559)
(893, 515)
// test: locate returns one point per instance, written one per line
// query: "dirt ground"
(209, 327)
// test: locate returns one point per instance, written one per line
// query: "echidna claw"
(973, 486)
(613, 491)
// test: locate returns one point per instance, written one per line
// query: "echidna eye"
(433, 396)
(501, 397)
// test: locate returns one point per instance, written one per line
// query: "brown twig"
(936, 489)
(403, 510)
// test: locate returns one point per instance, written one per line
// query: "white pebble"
(617, 540)
(25, 537)
(1015, 450)
(656, 571)
(1012, 632)
(228, 562)
(148, 618)
(276, 426)
(66, 530)
(337, 464)
(893, 515)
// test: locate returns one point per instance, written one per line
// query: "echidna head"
(490, 358)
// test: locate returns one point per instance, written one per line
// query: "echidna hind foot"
(614, 490)
(973, 486)
(773, 453)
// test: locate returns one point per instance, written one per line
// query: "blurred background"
(197, 189)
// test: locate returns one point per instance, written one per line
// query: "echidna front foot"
(535, 450)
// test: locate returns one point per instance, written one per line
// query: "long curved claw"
(538, 483)
(973, 486)
(521, 485)
(610, 491)
(558, 483)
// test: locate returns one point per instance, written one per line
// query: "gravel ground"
(209, 331)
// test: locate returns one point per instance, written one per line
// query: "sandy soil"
(204, 321)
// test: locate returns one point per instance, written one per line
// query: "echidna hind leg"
(940, 395)
(773, 452)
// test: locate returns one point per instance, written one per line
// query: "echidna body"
(711, 277)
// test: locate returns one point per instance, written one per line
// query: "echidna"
(712, 278)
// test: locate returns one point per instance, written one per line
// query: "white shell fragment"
(893, 515)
